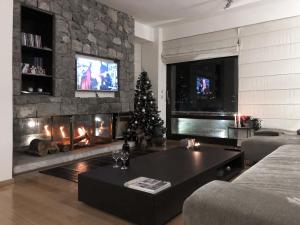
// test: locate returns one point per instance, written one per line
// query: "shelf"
(37, 75)
(39, 23)
(35, 93)
(35, 48)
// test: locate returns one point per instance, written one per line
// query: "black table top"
(176, 166)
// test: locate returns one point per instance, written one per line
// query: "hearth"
(67, 132)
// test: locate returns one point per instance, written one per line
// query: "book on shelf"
(148, 185)
(31, 40)
(24, 39)
(38, 41)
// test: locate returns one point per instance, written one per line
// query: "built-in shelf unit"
(37, 51)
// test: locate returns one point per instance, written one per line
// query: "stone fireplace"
(70, 118)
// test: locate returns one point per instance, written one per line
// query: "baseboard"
(6, 182)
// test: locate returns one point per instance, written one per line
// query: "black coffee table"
(187, 170)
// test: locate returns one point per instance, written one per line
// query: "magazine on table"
(148, 185)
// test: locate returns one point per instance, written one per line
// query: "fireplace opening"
(62, 133)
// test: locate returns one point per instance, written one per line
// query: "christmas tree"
(145, 117)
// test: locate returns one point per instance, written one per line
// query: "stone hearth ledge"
(26, 163)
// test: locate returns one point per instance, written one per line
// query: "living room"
(202, 97)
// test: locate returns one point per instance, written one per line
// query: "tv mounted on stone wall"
(96, 74)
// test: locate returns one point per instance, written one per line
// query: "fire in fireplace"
(65, 132)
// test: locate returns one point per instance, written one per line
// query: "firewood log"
(53, 148)
(42, 147)
(101, 140)
(64, 145)
(81, 138)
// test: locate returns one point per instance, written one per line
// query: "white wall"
(6, 19)
(233, 18)
(269, 72)
(137, 61)
(152, 63)
(144, 32)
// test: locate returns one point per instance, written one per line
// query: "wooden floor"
(38, 199)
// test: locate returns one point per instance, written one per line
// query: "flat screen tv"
(96, 74)
(203, 86)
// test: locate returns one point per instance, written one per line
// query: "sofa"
(266, 194)
(266, 141)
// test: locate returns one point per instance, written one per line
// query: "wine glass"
(124, 158)
(116, 156)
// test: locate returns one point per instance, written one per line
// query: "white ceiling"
(162, 12)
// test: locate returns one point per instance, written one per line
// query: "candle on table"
(235, 120)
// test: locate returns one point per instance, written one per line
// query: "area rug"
(71, 171)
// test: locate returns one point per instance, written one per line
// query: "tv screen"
(203, 86)
(96, 74)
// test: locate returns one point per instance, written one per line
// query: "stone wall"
(81, 26)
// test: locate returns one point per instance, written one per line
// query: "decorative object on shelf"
(244, 121)
(256, 123)
(30, 89)
(145, 123)
(25, 67)
(40, 90)
(251, 122)
(36, 68)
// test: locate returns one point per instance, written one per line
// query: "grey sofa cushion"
(279, 172)
(257, 147)
(222, 203)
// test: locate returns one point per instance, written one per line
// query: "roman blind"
(203, 46)
(269, 72)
